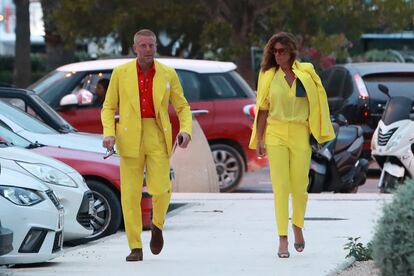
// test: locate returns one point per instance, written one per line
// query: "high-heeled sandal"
(299, 246)
(283, 255)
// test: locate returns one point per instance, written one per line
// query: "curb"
(341, 267)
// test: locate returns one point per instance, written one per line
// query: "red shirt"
(145, 92)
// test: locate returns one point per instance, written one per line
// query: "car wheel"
(107, 210)
(229, 166)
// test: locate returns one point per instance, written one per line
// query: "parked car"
(6, 240)
(68, 184)
(102, 177)
(34, 214)
(352, 90)
(215, 91)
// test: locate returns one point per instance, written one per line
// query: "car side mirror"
(340, 119)
(70, 100)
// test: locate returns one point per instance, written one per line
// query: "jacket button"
(165, 130)
(126, 129)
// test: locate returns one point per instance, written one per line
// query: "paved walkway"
(229, 234)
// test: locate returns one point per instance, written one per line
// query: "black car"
(353, 91)
(31, 103)
(6, 240)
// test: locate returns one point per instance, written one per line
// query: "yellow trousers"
(157, 165)
(289, 154)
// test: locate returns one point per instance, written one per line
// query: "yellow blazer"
(319, 118)
(123, 95)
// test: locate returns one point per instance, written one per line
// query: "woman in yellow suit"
(291, 105)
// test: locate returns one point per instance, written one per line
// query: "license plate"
(61, 219)
(394, 170)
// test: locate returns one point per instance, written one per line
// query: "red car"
(102, 177)
(220, 99)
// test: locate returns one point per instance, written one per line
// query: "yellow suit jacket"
(123, 96)
(319, 118)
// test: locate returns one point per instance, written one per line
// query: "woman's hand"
(260, 148)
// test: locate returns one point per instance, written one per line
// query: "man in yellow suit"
(141, 91)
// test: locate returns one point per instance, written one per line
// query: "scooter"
(392, 144)
(336, 166)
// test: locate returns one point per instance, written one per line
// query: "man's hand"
(108, 142)
(183, 139)
(260, 148)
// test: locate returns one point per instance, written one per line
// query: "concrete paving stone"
(229, 234)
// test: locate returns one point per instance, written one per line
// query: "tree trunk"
(57, 53)
(22, 66)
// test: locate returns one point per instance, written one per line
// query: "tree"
(59, 51)
(22, 66)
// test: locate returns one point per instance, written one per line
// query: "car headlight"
(20, 196)
(48, 174)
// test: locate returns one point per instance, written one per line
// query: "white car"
(34, 130)
(68, 184)
(33, 212)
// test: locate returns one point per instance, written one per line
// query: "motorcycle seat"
(345, 137)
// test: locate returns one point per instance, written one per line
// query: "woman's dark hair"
(104, 82)
(286, 39)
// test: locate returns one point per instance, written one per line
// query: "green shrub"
(393, 243)
(358, 250)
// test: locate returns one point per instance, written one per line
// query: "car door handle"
(199, 111)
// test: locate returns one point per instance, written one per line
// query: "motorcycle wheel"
(390, 182)
(316, 182)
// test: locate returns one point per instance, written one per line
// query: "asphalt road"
(259, 182)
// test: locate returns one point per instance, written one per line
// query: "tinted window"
(24, 120)
(222, 86)
(21, 104)
(55, 85)
(398, 85)
(191, 85)
(334, 84)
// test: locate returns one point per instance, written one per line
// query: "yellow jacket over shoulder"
(319, 118)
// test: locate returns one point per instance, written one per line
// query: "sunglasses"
(109, 152)
(280, 51)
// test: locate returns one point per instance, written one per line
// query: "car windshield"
(65, 126)
(57, 81)
(25, 120)
(13, 138)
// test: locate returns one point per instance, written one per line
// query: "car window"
(13, 138)
(398, 85)
(21, 104)
(89, 83)
(222, 87)
(24, 120)
(52, 87)
(191, 85)
(334, 81)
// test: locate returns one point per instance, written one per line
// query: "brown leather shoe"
(157, 241)
(135, 255)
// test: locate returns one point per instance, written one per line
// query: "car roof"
(199, 66)
(368, 68)
(15, 90)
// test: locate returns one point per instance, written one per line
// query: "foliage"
(226, 29)
(358, 250)
(393, 243)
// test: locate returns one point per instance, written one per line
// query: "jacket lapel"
(132, 86)
(159, 86)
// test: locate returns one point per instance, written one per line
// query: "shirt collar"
(150, 70)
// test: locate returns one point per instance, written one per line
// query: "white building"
(8, 25)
